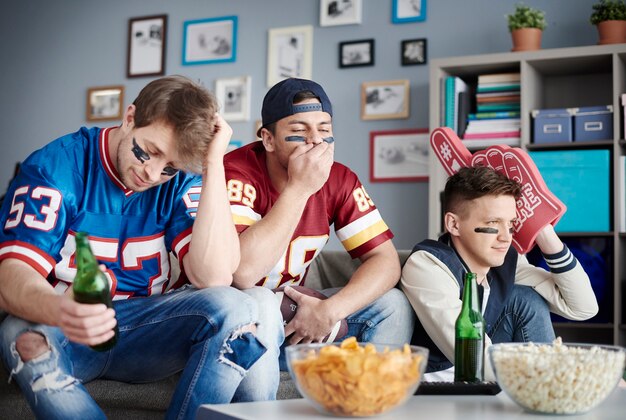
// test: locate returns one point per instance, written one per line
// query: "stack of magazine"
(497, 116)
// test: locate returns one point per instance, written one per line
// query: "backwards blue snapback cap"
(278, 102)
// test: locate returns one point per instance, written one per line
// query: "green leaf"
(608, 10)
(526, 17)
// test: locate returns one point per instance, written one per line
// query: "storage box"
(581, 180)
(552, 125)
(593, 123)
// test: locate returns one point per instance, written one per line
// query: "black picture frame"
(414, 52)
(357, 53)
(147, 38)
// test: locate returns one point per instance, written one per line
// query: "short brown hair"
(475, 182)
(187, 108)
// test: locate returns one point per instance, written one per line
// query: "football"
(288, 310)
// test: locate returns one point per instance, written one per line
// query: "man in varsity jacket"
(517, 297)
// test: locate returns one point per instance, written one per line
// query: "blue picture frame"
(405, 11)
(210, 41)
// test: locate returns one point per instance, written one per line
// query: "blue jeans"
(388, 320)
(262, 379)
(526, 317)
(192, 330)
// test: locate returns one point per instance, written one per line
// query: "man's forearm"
(374, 277)
(214, 250)
(264, 243)
(548, 241)
(24, 293)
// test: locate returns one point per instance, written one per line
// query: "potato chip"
(356, 380)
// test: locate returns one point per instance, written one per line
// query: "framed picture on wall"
(233, 96)
(208, 41)
(289, 53)
(105, 103)
(399, 155)
(408, 11)
(385, 100)
(414, 52)
(146, 46)
(356, 53)
(340, 12)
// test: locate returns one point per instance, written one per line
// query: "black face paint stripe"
(169, 171)
(139, 153)
(492, 231)
(142, 156)
(328, 140)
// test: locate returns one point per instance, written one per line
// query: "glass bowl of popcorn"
(558, 378)
(354, 379)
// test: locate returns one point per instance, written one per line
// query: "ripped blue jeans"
(196, 331)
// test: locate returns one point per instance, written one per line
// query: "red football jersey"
(342, 201)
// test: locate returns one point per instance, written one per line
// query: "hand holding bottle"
(92, 287)
(89, 324)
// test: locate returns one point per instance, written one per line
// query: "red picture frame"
(399, 155)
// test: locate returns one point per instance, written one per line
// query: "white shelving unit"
(555, 78)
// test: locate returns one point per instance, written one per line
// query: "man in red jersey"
(285, 191)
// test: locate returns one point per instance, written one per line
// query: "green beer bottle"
(469, 337)
(90, 284)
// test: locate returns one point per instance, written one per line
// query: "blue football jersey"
(71, 185)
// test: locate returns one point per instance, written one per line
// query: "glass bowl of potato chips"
(354, 379)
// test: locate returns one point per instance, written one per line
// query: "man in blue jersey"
(133, 189)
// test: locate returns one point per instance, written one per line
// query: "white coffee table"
(440, 407)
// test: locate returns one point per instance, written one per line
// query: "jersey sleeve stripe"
(358, 225)
(181, 244)
(28, 253)
(244, 215)
(365, 235)
(245, 211)
(242, 220)
(368, 246)
(562, 261)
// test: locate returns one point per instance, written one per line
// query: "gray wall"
(52, 51)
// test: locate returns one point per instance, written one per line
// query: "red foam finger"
(536, 207)
(449, 149)
(492, 157)
(480, 158)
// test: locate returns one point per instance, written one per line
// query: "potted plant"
(526, 25)
(609, 16)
